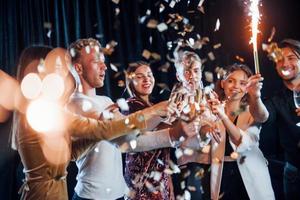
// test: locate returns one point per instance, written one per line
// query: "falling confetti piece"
(187, 195)
(272, 34)
(113, 67)
(211, 56)
(152, 23)
(188, 151)
(178, 153)
(172, 4)
(206, 149)
(49, 34)
(200, 3)
(161, 8)
(165, 67)
(216, 46)
(162, 27)
(121, 83)
(146, 54)
(239, 58)
(72, 52)
(48, 25)
(117, 11)
(191, 188)
(160, 161)
(96, 149)
(209, 77)
(88, 49)
(182, 184)
(148, 12)
(155, 56)
(116, 1)
(133, 144)
(217, 27)
(200, 173)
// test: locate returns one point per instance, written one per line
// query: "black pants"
(232, 186)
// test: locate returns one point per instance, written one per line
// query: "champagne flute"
(296, 95)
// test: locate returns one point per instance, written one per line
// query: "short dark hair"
(294, 45)
(75, 47)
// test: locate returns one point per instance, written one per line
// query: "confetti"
(178, 153)
(216, 46)
(273, 31)
(239, 58)
(152, 23)
(48, 25)
(172, 4)
(217, 27)
(165, 67)
(160, 161)
(209, 77)
(72, 52)
(200, 173)
(162, 27)
(211, 56)
(88, 49)
(146, 54)
(49, 34)
(188, 151)
(187, 195)
(156, 175)
(133, 144)
(200, 3)
(117, 11)
(121, 83)
(161, 8)
(96, 149)
(116, 1)
(192, 188)
(113, 67)
(155, 56)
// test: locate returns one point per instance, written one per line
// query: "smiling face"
(193, 75)
(143, 81)
(92, 67)
(289, 67)
(235, 85)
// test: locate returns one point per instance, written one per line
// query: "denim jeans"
(291, 181)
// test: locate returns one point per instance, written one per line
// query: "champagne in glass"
(296, 95)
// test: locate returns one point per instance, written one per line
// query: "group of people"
(215, 134)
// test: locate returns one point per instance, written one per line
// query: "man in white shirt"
(100, 171)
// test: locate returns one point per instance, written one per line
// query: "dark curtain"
(60, 22)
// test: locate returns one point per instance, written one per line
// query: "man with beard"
(283, 116)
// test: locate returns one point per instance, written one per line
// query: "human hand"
(254, 86)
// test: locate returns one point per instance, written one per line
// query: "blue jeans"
(291, 181)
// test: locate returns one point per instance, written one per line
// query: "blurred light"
(31, 86)
(53, 86)
(45, 117)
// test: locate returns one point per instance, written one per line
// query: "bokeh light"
(31, 86)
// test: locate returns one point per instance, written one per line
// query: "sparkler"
(254, 13)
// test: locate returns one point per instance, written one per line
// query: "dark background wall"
(60, 22)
